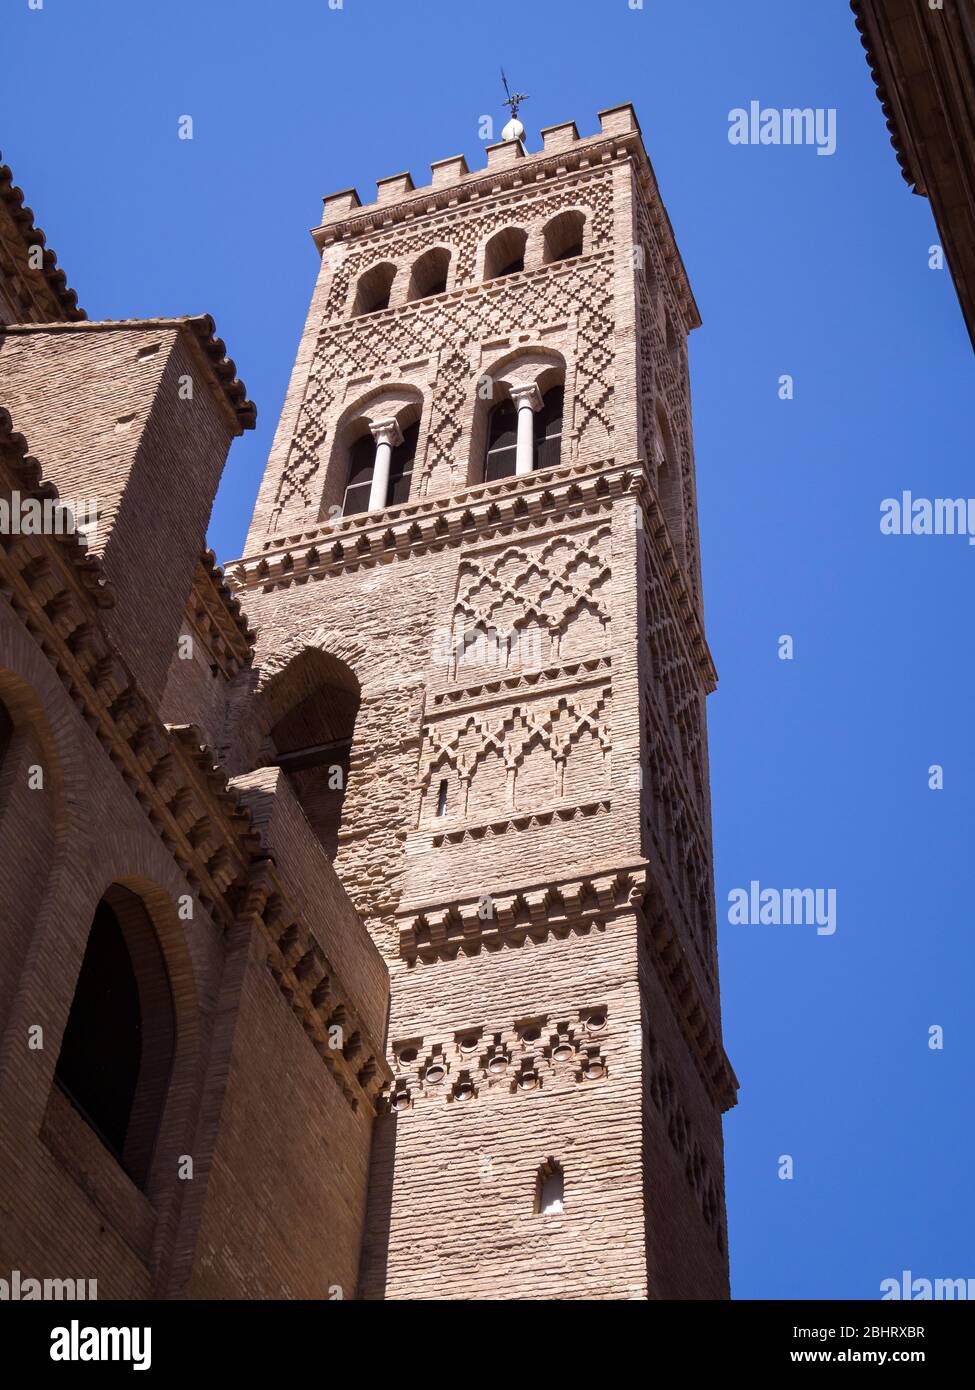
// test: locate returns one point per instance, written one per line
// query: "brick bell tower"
(473, 568)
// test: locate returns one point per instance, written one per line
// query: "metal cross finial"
(514, 100)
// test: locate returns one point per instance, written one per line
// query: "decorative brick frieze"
(487, 1063)
(492, 921)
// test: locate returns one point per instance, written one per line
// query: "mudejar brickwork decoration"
(441, 1017)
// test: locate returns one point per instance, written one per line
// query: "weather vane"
(514, 130)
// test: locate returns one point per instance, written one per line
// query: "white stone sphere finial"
(513, 130)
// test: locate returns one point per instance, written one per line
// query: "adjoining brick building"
(444, 1022)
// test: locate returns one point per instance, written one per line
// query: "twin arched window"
(562, 240)
(516, 447)
(380, 468)
(428, 277)
(524, 433)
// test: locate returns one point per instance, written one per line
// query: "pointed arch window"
(315, 710)
(118, 1045)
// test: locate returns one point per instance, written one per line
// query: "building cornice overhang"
(199, 332)
(880, 53)
(593, 154)
(22, 216)
(512, 504)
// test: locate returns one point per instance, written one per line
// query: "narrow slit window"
(550, 1189)
(442, 798)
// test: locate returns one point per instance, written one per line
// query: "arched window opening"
(362, 492)
(117, 1051)
(548, 428)
(429, 275)
(541, 437)
(313, 740)
(374, 289)
(505, 253)
(550, 1189)
(562, 238)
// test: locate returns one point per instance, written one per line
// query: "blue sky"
(801, 264)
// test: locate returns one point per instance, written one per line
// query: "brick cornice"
(217, 619)
(50, 276)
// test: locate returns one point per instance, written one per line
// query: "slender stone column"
(387, 435)
(528, 399)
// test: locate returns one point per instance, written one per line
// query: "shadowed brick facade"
(467, 823)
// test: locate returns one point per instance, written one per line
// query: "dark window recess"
(548, 428)
(442, 798)
(362, 458)
(101, 1052)
(374, 289)
(115, 1058)
(569, 253)
(401, 467)
(505, 253)
(313, 745)
(502, 442)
